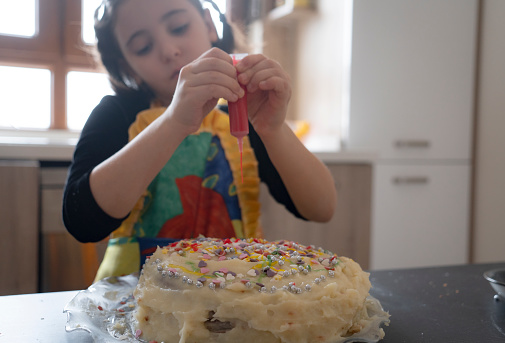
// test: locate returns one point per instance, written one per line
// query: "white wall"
(313, 46)
(489, 241)
(323, 65)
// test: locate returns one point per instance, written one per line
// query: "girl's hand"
(269, 91)
(201, 83)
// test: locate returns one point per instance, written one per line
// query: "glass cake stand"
(106, 308)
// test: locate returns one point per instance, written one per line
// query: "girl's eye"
(179, 30)
(144, 51)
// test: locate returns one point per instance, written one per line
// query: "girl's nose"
(169, 50)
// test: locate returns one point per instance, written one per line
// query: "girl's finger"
(249, 62)
(215, 59)
(275, 84)
(257, 69)
(214, 91)
(206, 75)
(264, 75)
(212, 64)
(210, 78)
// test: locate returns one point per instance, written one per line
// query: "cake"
(249, 290)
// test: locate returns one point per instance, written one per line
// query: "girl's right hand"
(201, 83)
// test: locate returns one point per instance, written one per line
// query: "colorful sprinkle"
(271, 273)
(251, 272)
(281, 261)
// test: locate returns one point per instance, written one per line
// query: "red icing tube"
(239, 122)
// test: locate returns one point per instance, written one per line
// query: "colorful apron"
(198, 192)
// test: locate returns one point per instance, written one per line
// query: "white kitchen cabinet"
(412, 78)
(412, 98)
(420, 215)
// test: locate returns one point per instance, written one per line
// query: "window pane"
(26, 98)
(84, 92)
(88, 13)
(19, 17)
(215, 16)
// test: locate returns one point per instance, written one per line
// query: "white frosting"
(254, 297)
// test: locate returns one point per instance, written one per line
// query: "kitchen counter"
(39, 146)
(440, 304)
(59, 146)
(37, 318)
(432, 305)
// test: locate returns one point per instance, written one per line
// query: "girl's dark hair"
(112, 58)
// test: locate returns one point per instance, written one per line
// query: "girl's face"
(159, 37)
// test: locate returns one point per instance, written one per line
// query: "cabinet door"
(19, 214)
(412, 77)
(347, 233)
(420, 216)
(65, 264)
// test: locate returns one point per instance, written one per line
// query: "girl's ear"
(211, 28)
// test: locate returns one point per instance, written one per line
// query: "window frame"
(57, 46)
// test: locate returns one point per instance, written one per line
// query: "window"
(18, 18)
(88, 12)
(46, 42)
(44, 65)
(25, 105)
(94, 85)
(221, 4)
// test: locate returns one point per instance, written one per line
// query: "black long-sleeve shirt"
(105, 133)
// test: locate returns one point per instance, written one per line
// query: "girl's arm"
(118, 182)
(307, 179)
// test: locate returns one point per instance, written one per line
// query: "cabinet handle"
(410, 180)
(412, 143)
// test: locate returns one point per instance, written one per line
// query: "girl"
(157, 161)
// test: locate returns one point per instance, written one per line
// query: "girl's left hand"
(268, 92)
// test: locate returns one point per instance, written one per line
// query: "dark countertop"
(440, 304)
(429, 305)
